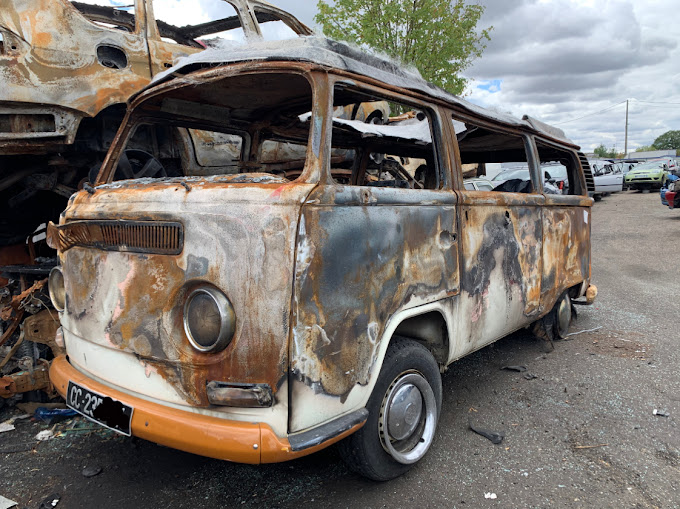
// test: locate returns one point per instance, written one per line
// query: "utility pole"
(625, 150)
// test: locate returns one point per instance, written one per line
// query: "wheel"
(555, 325)
(403, 411)
(563, 316)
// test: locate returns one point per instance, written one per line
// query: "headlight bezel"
(57, 288)
(227, 320)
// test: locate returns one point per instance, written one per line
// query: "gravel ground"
(582, 434)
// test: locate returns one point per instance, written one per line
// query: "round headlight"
(56, 288)
(209, 320)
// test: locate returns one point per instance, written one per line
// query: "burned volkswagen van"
(273, 278)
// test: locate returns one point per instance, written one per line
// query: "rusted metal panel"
(36, 379)
(238, 237)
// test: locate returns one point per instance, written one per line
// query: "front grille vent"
(153, 237)
(590, 181)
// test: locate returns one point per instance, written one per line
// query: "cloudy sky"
(560, 60)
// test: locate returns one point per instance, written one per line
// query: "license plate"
(100, 409)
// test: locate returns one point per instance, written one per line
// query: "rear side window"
(109, 13)
(494, 155)
(204, 24)
(560, 168)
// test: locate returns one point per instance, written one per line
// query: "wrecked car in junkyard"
(66, 72)
(308, 285)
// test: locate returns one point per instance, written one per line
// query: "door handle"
(447, 238)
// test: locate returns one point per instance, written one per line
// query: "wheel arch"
(404, 323)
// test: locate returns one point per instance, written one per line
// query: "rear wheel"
(403, 413)
(555, 325)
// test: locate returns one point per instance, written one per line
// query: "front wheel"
(403, 412)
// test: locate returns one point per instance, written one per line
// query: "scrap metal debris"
(520, 369)
(495, 437)
(91, 471)
(582, 331)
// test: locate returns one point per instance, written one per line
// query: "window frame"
(157, 35)
(432, 112)
(571, 152)
(136, 116)
(139, 16)
(536, 181)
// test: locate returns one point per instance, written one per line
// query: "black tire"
(555, 325)
(406, 361)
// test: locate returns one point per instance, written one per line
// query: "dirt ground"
(581, 434)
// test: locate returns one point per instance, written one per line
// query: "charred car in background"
(259, 307)
(66, 72)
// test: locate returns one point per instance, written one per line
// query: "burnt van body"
(265, 305)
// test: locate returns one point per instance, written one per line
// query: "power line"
(591, 114)
(656, 102)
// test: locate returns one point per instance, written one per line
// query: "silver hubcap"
(408, 418)
(563, 316)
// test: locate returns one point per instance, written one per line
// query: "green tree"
(669, 140)
(438, 37)
(645, 148)
(603, 151)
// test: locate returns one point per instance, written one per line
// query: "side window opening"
(109, 13)
(499, 158)
(560, 169)
(373, 148)
(208, 23)
(2, 44)
(273, 27)
(242, 126)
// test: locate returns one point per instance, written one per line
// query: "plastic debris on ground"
(6, 426)
(50, 415)
(661, 413)
(492, 496)
(50, 502)
(6, 503)
(46, 434)
(494, 436)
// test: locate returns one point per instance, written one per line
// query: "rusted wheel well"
(430, 330)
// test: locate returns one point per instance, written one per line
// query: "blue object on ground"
(50, 415)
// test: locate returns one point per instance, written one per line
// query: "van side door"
(566, 227)
(501, 235)
(378, 239)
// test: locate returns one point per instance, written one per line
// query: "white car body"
(608, 176)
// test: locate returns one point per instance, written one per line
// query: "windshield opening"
(252, 127)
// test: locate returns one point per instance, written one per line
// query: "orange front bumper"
(242, 442)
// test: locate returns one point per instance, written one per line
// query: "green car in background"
(649, 175)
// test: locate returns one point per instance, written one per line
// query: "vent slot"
(152, 237)
(590, 181)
